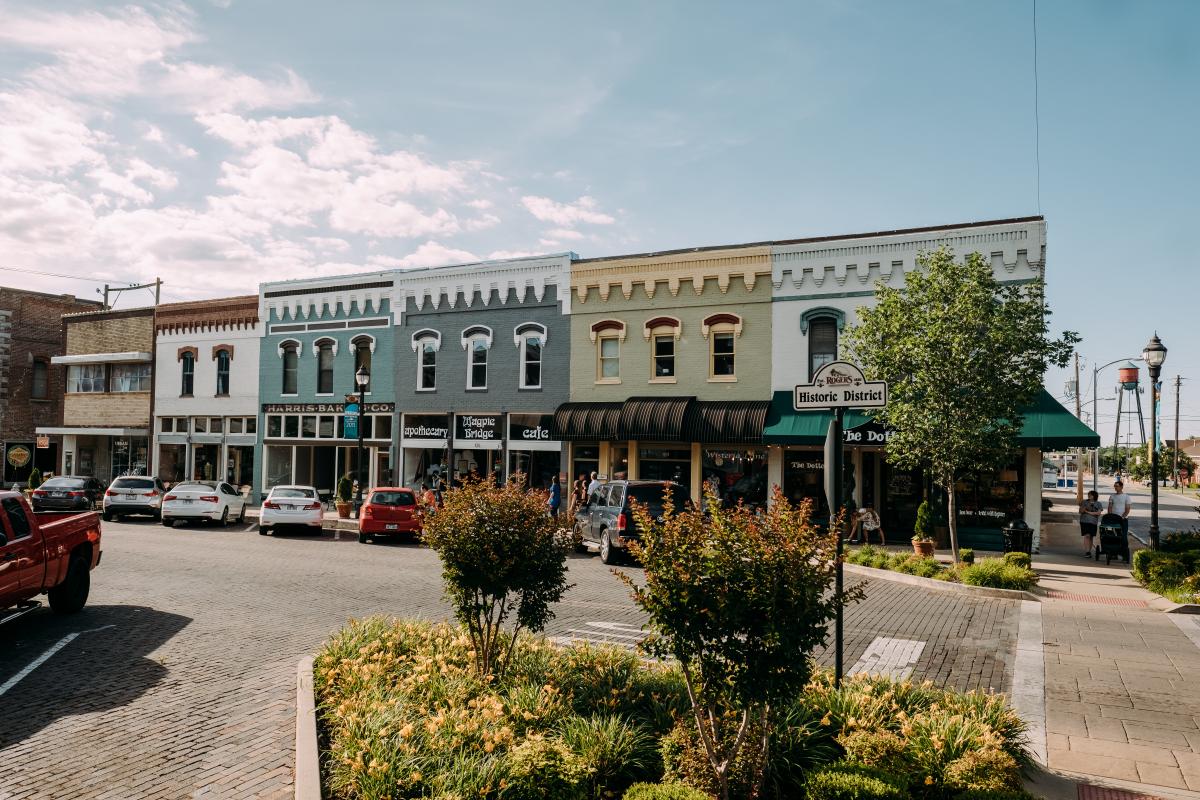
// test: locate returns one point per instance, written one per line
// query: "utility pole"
(1078, 451)
(1175, 451)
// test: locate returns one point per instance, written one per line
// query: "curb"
(945, 586)
(308, 763)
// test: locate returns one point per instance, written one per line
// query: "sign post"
(837, 386)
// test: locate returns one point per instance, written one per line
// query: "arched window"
(325, 352)
(477, 341)
(222, 373)
(290, 352)
(822, 342)
(722, 332)
(187, 374)
(40, 387)
(530, 337)
(663, 334)
(426, 343)
(608, 335)
(363, 347)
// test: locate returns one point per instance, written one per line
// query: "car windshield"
(278, 493)
(63, 483)
(195, 486)
(651, 495)
(394, 499)
(133, 483)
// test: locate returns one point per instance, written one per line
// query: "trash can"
(1018, 537)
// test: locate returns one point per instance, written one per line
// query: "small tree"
(962, 354)
(345, 489)
(923, 525)
(35, 478)
(502, 556)
(740, 601)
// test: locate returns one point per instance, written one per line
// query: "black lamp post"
(1154, 353)
(362, 377)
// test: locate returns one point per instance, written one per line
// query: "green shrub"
(882, 750)
(614, 753)
(966, 555)
(345, 488)
(923, 525)
(896, 560)
(664, 791)
(880, 561)
(1179, 542)
(1167, 572)
(848, 782)
(922, 567)
(543, 769)
(1018, 560)
(35, 478)
(800, 744)
(998, 573)
(1141, 560)
(988, 768)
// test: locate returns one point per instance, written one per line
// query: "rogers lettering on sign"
(839, 384)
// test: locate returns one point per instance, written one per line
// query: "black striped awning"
(664, 419)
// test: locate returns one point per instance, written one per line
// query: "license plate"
(131, 497)
(58, 494)
(391, 526)
(186, 502)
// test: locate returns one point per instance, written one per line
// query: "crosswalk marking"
(889, 658)
(600, 632)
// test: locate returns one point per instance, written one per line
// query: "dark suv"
(607, 521)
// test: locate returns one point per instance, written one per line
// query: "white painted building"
(206, 383)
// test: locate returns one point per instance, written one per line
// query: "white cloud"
(429, 254)
(566, 215)
(497, 255)
(564, 233)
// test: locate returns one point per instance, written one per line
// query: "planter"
(343, 509)
(923, 547)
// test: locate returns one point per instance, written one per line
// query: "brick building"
(109, 362)
(31, 388)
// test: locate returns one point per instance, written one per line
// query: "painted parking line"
(601, 632)
(44, 657)
(889, 658)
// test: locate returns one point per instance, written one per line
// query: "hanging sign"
(839, 384)
(350, 421)
(43, 442)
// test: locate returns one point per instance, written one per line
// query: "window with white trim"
(663, 334)
(426, 344)
(477, 341)
(722, 332)
(531, 340)
(290, 351)
(609, 354)
(130, 378)
(85, 378)
(325, 366)
(822, 343)
(187, 374)
(363, 345)
(222, 373)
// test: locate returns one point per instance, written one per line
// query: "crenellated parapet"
(693, 270)
(483, 284)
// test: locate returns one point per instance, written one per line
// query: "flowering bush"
(502, 556)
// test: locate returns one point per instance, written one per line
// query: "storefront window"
(665, 464)
(205, 462)
(239, 467)
(235, 424)
(279, 465)
(737, 474)
(291, 427)
(171, 460)
(382, 426)
(585, 459)
(538, 466)
(274, 426)
(325, 428)
(804, 479)
(129, 456)
(990, 500)
(421, 464)
(618, 461)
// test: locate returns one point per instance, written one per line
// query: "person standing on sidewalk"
(555, 499)
(1120, 503)
(1089, 518)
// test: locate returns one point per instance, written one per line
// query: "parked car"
(291, 505)
(203, 501)
(606, 520)
(50, 553)
(128, 495)
(389, 511)
(68, 493)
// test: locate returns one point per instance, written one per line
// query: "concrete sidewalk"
(1121, 678)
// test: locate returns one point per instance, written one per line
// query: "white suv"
(134, 495)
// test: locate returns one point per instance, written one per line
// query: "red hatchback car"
(389, 512)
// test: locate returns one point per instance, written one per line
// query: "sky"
(220, 143)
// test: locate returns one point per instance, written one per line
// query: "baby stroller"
(1113, 540)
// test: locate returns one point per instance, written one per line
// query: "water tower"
(1129, 402)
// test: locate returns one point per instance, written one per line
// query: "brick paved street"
(180, 681)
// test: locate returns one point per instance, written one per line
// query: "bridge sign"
(840, 384)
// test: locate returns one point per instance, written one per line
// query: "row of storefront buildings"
(672, 365)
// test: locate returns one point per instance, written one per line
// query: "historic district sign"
(839, 384)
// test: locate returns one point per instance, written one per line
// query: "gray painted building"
(482, 361)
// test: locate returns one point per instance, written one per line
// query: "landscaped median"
(1173, 570)
(404, 713)
(1012, 572)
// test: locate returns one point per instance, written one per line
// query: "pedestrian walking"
(594, 485)
(555, 499)
(578, 494)
(1089, 519)
(868, 522)
(1120, 503)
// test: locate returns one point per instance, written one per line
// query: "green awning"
(1048, 425)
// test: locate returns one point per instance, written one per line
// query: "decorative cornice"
(218, 347)
(474, 331)
(607, 325)
(721, 319)
(674, 269)
(467, 285)
(526, 328)
(427, 333)
(662, 322)
(316, 345)
(179, 353)
(198, 316)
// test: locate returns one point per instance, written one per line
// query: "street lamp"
(362, 377)
(1154, 353)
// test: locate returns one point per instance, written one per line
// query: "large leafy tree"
(962, 354)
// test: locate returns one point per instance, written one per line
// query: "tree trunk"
(952, 515)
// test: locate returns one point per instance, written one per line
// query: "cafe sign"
(839, 384)
(529, 428)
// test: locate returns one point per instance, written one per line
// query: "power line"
(56, 275)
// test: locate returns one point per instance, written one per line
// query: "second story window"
(663, 334)
(187, 374)
(362, 359)
(722, 332)
(608, 335)
(477, 340)
(130, 378)
(86, 378)
(426, 343)
(222, 373)
(40, 380)
(530, 338)
(290, 352)
(325, 366)
(822, 343)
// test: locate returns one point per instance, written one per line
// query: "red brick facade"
(31, 333)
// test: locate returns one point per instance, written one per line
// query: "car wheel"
(578, 538)
(263, 531)
(225, 516)
(242, 514)
(608, 553)
(71, 595)
(157, 515)
(363, 538)
(107, 517)
(167, 523)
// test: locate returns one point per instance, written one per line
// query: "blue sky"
(216, 144)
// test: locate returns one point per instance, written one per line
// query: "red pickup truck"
(51, 553)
